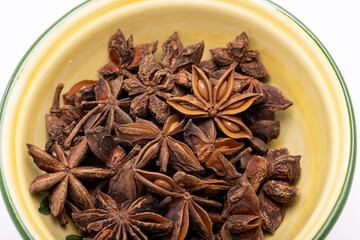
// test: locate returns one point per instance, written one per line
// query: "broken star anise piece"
(283, 166)
(217, 102)
(168, 149)
(129, 220)
(85, 88)
(105, 110)
(184, 210)
(202, 139)
(60, 121)
(256, 171)
(280, 191)
(177, 58)
(272, 212)
(62, 176)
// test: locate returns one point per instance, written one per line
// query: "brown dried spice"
(161, 142)
(256, 171)
(243, 188)
(105, 110)
(281, 191)
(272, 213)
(216, 102)
(62, 176)
(150, 89)
(132, 220)
(283, 166)
(242, 212)
(184, 207)
(202, 139)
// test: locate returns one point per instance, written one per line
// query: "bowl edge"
(340, 203)
(4, 191)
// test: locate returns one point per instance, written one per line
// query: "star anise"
(242, 212)
(62, 176)
(160, 143)
(124, 55)
(103, 145)
(129, 220)
(84, 89)
(61, 121)
(177, 58)
(105, 110)
(283, 166)
(184, 208)
(123, 185)
(202, 139)
(209, 187)
(216, 102)
(256, 171)
(280, 191)
(237, 55)
(272, 98)
(150, 89)
(272, 212)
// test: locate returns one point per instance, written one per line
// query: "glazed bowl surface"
(319, 126)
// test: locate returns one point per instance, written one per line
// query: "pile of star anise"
(175, 149)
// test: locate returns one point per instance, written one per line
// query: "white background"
(335, 23)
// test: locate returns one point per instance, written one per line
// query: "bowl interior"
(316, 127)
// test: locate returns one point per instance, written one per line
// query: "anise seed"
(163, 184)
(222, 90)
(203, 90)
(223, 147)
(231, 126)
(237, 104)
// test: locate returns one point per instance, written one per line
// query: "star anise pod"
(217, 102)
(242, 212)
(123, 54)
(84, 90)
(104, 147)
(106, 109)
(150, 90)
(237, 55)
(68, 113)
(272, 212)
(61, 121)
(280, 191)
(184, 207)
(209, 150)
(160, 142)
(272, 98)
(62, 176)
(123, 185)
(177, 58)
(209, 187)
(283, 166)
(129, 220)
(256, 171)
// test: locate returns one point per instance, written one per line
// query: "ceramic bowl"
(319, 126)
